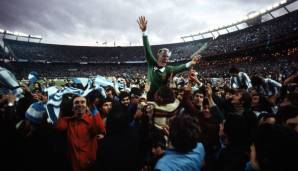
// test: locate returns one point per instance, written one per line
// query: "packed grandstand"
(275, 39)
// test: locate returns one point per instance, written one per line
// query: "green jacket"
(156, 77)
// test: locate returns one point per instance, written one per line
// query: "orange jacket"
(81, 137)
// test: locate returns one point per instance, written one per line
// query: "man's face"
(135, 99)
(255, 100)
(162, 59)
(206, 112)
(157, 151)
(158, 99)
(36, 86)
(107, 107)
(236, 98)
(142, 100)
(217, 93)
(292, 123)
(228, 96)
(198, 98)
(110, 94)
(125, 101)
(268, 120)
(79, 106)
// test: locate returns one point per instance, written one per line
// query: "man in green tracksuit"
(158, 71)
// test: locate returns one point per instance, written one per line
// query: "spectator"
(120, 148)
(266, 86)
(186, 153)
(239, 79)
(275, 148)
(235, 153)
(82, 129)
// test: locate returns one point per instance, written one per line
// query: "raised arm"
(186, 101)
(182, 67)
(97, 125)
(148, 52)
(217, 114)
(62, 123)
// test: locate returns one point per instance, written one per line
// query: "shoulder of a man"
(199, 149)
(87, 117)
(164, 164)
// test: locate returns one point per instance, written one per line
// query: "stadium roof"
(242, 23)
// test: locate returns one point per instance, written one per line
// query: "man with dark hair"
(164, 95)
(239, 79)
(93, 98)
(158, 144)
(198, 97)
(275, 148)
(266, 86)
(110, 92)
(120, 148)
(185, 152)
(158, 71)
(241, 102)
(124, 98)
(105, 106)
(235, 154)
(165, 106)
(210, 117)
(135, 94)
(288, 116)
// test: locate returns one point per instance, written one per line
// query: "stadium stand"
(2, 54)
(75, 54)
(250, 48)
(265, 34)
(236, 109)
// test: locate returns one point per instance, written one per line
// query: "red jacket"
(81, 137)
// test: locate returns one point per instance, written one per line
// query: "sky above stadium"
(85, 22)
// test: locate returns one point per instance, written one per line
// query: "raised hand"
(142, 23)
(209, 91)
(171, 81)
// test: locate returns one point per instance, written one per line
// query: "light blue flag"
(102, 81)
(55, 98)
(82, 81)
(8, 81)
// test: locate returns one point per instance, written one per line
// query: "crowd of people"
(265, 34)
(1, 52)
(76, 54)
(237, 113)
(191, 124)
(268, 65)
